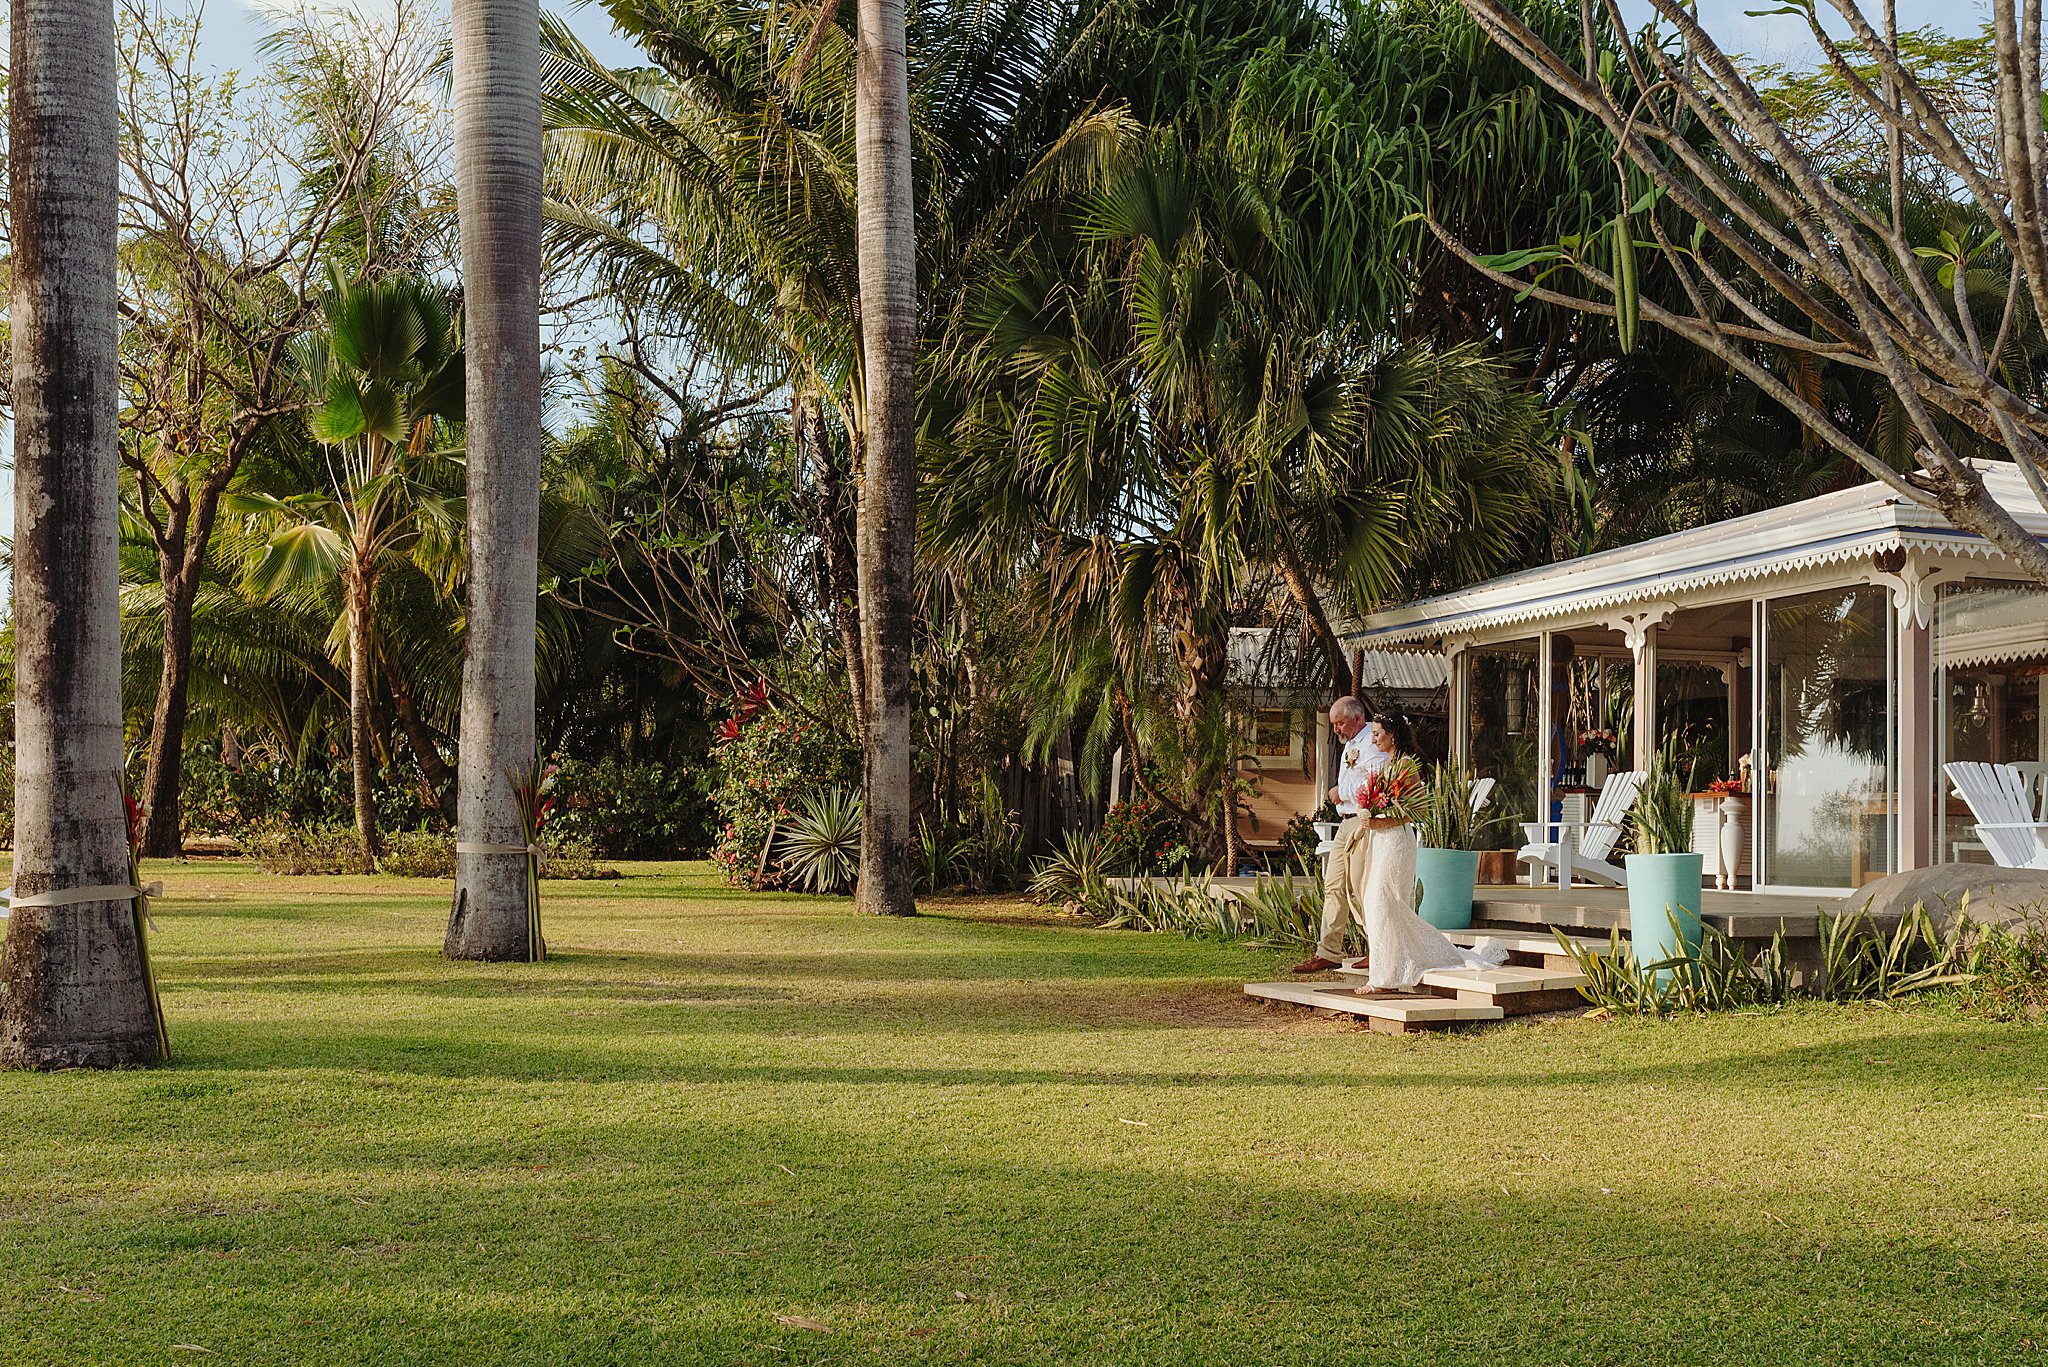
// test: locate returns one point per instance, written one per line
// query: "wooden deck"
(1742, 915)
(1539, 975)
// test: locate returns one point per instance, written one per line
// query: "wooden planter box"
(1497, 866)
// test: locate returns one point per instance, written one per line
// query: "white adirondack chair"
(1482, 793)
(1552, 850)
(2009, 819)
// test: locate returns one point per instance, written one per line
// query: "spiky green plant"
(1076, 874)
(1663, 810)
(1448, 821)
(820, 844)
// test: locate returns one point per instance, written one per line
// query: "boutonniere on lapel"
(1351, 757)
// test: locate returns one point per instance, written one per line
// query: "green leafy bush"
(622, 809)
(766, 762)
(2010, 979)
(418, 854)
(991, 854)
(1298, 842)
(569, 859)
(297, 850)
(938, 856)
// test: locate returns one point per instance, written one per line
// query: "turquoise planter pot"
(1448, 878)
(1660, 887)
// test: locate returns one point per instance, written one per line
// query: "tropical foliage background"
(1189, 361)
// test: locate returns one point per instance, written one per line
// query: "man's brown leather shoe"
(1314, 963)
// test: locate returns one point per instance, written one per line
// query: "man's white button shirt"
(1359, 759)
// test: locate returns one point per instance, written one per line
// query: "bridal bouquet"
(1395, 792)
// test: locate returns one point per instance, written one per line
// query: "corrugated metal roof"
(1831, 529)
(1259, 661)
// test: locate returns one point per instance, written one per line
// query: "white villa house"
(1834, 653)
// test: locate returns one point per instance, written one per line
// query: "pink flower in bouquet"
(1392, 792)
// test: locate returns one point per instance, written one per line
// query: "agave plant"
(821, 843)
(1448, 821)
(1076, 874)
(1663, 810)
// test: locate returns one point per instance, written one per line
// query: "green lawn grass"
(985, 1135)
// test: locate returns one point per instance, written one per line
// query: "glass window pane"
(1692, 719)
(1827, 739)
(1500, 744)
(1991, 662)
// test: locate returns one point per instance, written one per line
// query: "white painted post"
(1644, 648)
(1322, 759)
(1915, 768)
(1116, 776)
(1546, 761)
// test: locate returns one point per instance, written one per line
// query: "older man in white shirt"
(1345, 872)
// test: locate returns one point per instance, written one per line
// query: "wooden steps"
(1537, 949)
(1539, 976)
(1517, 989)
(1393, 1015)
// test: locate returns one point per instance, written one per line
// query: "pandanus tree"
(384, 384)
(74, 986)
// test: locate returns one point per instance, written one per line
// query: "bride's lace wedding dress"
(1403, 945)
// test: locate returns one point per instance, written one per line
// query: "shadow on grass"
(691, 1239)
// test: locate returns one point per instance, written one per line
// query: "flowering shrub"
(1138, 836)
(767, 763)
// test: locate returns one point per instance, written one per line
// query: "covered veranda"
(1826, 658)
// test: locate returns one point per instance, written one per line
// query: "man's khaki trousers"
(1344, 886)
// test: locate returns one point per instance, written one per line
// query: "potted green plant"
(1664, 874)
(1447, 862)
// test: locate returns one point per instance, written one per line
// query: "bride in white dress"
(1401, 946)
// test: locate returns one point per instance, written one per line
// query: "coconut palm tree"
(383, 382)
(76, 991)
(886, 226)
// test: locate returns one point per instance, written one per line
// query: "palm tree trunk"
(498, 199)
(437, 778)
(163, 837)
(1303, 590)
(359, 738)
(888, 501)
(74, 990)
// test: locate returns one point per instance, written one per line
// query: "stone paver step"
(1397, 1014)
(1524, 942)
(1505, 981)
